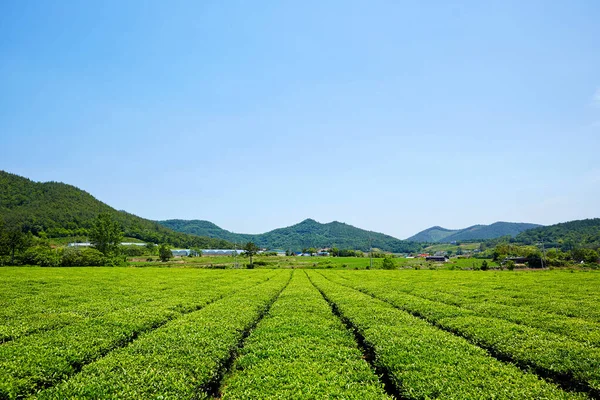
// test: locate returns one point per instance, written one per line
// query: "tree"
(12, 238)
(151, 248)
(510, 265)
(106, 234)
(164, 252)
(388, 263)
(250, 249)
(484, 265)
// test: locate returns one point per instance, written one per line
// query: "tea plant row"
(574, 363)
(301, 350)
(43, 359)
(425, 362)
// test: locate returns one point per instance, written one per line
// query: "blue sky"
(389, 115)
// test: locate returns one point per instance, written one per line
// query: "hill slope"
(64, 210)
(438, 234)
(432, 235)
(568, 235)
(308, 233)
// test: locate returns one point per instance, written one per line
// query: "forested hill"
(306, 234)
(438, 234)
(206, 228)
(432, 235)
(62, 210)
(567, 235)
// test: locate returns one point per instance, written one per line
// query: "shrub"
(388, 263)
(164, 252)
(42, 256)
(484, 265)
(134, 251)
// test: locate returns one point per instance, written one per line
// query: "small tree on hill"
(164, 252)
(250, 249)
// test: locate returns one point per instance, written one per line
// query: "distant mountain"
(438, 234)
(567, 235)
(306, 234)
(432, 235)
(206, 228)
(62, 210)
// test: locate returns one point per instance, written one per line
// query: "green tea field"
(192, 333)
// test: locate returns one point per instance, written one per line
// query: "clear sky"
(391, 116)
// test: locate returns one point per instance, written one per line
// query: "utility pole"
(543, 254)
(235, 261)
(371, 251)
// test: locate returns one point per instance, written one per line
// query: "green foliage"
(106, 235)
(307, 234)
(438, 234)
(61, 210)
(300, 341)
(388, 263)
(12, 238)
(516, 323)
(135, 251)
(151, 248)
(585, 255)
(96, 312)
(156, 332)
(484, 265)
(422, 360)
(85, 257)
(250, 249)
(164, 252)
(567, 236)
(510, 265)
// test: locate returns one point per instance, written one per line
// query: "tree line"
(18, 246)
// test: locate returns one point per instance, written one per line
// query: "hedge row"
(301, 350)
(425, 362)
(49, 299)
(45, 358)
(182, 359)
(574, 363)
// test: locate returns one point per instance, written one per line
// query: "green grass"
(348, 263)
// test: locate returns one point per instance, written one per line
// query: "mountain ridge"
(437, 234)
(305, 234)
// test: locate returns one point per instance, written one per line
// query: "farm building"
(436, 258)
(516, 260)
(182, 252)
(88, 244)
(220, 252)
